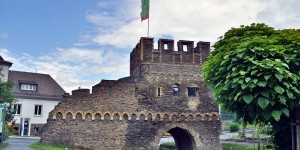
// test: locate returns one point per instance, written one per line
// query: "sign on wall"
(2, 106)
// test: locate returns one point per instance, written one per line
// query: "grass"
(225, 146)
(261, 136)
(225, 128)
(169, 144)
(40, 146)
(3, 145)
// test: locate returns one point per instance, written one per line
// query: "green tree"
(228, 116)
(6, 97)
(255, 72)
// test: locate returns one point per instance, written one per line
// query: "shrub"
(226, 128)
(234, 127)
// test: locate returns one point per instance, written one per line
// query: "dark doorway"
(183, 139)
(26, 127)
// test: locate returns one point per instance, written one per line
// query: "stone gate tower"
(163, 93)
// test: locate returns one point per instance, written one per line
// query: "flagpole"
(148, 28)
(148, 19)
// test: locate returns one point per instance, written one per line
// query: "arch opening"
(181, 137)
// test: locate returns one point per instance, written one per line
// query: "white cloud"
(71, 67)
(117, 23)
(190, 20)
(281, 14)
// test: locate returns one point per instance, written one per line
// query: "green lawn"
(3, 145)
(169, 144)
(40, 146)
(225, 146)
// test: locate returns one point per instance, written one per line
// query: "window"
(175, 88)
(192, 91)
(165, 46)
(136, 91)
(17, 108)
(36, 129)
(29, 87)
(185, 48)
(38, 110)
(158, 91)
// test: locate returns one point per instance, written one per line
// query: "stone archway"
(183, 139)
(184, 136)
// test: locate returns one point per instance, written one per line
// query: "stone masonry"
(164, 93)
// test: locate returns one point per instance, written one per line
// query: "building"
(164, 93)
(35, 96)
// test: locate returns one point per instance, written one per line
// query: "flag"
(145, 10)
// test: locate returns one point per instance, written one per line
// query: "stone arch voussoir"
(58, 114)
(116, 116)
(86, 114)
(142, 117)
(69, 116)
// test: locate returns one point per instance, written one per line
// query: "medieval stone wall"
(134, 112)
(130, 131)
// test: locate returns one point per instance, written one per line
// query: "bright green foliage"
(41, 146)
(5, 93)
(234, 127)
(255, 72)
(7, 98)
(169, 144)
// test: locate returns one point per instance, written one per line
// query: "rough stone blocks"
(164, 93)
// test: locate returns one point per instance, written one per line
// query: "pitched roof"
(3, 62)
(47, 87)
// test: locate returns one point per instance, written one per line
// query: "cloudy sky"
(80, 42)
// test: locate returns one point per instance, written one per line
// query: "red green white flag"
(145, 10)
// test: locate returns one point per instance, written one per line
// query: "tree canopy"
(255, 72)
(6, 97)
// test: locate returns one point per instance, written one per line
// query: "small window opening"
(38, 110)
(175, 88)
(110, 91)
(28, 87)
(166, 46)
(17, 108)
(36, 129)
(135, 91)
(192, 91)
(185, 48)
(158, 91)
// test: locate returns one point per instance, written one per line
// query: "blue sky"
(80, 42)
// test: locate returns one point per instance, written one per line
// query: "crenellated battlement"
(164, 93)
(185, 53)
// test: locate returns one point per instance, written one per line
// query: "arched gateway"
(185, 137)
(163, 93)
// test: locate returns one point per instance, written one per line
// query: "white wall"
(4, 71)
(27, 110)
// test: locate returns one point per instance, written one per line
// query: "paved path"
(20, 143)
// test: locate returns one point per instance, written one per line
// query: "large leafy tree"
(6, 97)
(255, 72)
